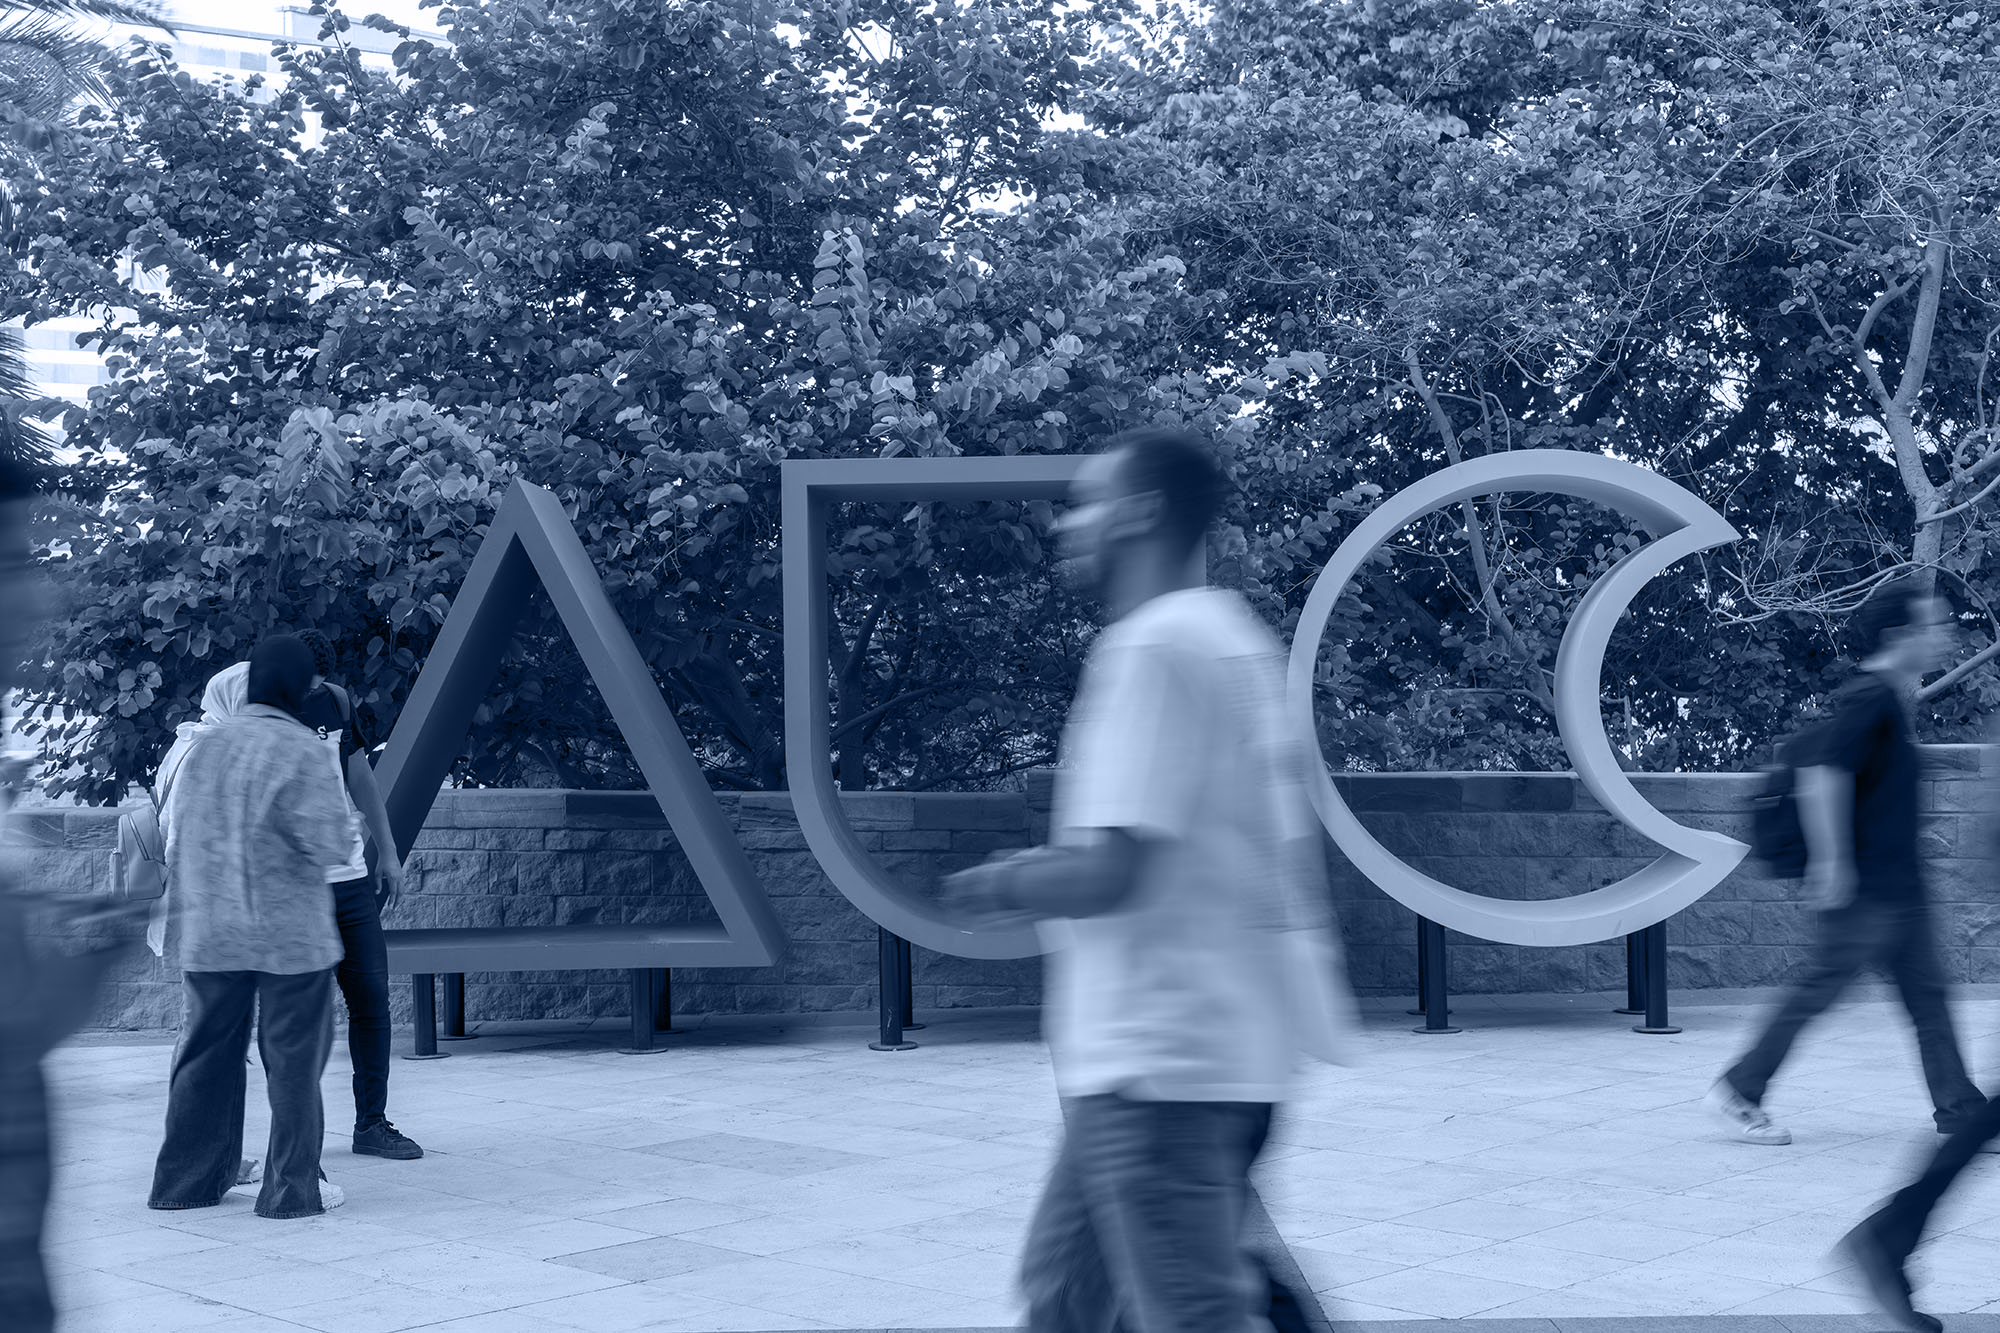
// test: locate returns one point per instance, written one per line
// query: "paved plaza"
(1546, 1164)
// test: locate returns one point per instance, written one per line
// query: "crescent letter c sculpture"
(1694, 860)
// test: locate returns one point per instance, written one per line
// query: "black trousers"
(364, 983)
(1898, 937)
(24, 1196)
(1899, 1223)
(200, 1156)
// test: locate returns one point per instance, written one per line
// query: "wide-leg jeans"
(1140, 1228)
(199, 1159)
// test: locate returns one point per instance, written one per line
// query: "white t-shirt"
(1223, 966)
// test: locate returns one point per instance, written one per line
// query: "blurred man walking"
(1183, 899)
(1857, 792)
(1881, 1246)
(45, 994)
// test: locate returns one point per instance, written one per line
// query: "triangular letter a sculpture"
(531, 541)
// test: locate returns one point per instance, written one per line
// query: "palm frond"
(147, 12)
(21, 440)
(44, 66)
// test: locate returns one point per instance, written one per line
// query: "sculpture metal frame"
(811, 487)
(1695, 860)
(531, 541)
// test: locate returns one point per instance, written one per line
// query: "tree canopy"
(641, 254)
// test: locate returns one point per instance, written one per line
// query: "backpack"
(1777, 835)
(139, 866)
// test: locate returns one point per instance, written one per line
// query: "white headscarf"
(227, 694)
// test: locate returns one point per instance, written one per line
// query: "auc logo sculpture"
(531, 541)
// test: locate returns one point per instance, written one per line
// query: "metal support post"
(905, 965)
(644, 999)
(452, 1003)
(1423, 968)
(663, 1003)
(1436, 1002)
(423, 1018)
(892, 984)
(1656, 981)
(1635, 974)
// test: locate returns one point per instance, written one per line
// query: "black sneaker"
(382, 1139)
(1883, 1279)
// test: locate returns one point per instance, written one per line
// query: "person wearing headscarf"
(255, 819)
(227, 693)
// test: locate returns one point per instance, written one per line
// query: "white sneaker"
(331, 1196)
(1752, 1125)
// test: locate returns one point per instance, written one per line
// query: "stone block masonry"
(525, 858)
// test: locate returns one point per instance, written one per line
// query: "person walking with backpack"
(361, 893)
(1880, 1246)
(1857, 797)
(1182, 896)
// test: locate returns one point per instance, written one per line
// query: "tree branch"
(1860, 338)
(1482, 568)
(1959, 672)
(1924, 325)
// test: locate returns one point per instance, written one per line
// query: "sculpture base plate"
(1641, 1027)
(897, 1046)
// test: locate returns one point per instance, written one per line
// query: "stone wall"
(507, 858)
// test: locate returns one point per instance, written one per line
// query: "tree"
(640, 256)
(1505, 226)
(45, 66)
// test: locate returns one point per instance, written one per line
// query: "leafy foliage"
(642, 254)
(639, 254)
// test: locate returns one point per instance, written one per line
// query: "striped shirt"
(254, 819)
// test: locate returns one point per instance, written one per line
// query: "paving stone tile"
(473, 1272)
(389, 1310)
(1527, 1263)
(1675, 1291)
(1433, 1292)
(645, 1260)
(1327, 1270)
(1619, 1239)
(631, 1305)
(735, 1282)
(550, 1240)
(1395, 1243)
(1484, 1217)
(1415, 1172)
(675, 1216)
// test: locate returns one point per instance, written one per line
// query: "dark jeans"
(1899, 938)
(198, 1161)
(364, 982)
(1141, 1225)
(24, 1196)
(1899, 1223)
